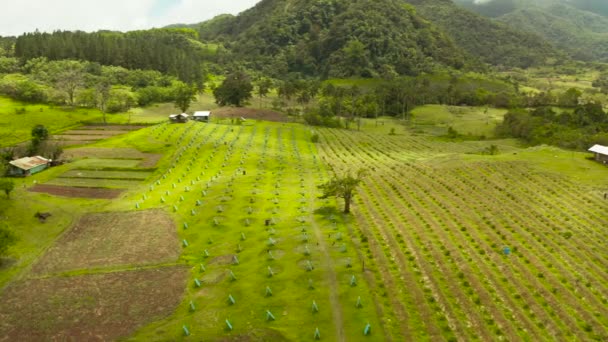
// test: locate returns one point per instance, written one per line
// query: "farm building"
(601, 153)
(202, 116)
(179, 118)
(28, 166)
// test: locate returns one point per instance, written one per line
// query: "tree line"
(175, 52)
(579, 127)
(111, 89)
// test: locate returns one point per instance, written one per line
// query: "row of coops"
(197, 116)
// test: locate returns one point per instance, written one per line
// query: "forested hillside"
(338, 38)
(492, 42)
(335, 38)
(174, 52)
(578, 27)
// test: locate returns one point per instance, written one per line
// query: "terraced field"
(269, 259)
(422, 258)
(437, 229)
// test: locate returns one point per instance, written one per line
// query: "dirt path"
(332, 279)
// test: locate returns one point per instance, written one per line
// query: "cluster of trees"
(112, 89)
(7, 238)
(334, 38)
(175, 52)
(576, 128)
(602, 83)
(399, 96)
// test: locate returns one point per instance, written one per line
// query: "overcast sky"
(19, 16)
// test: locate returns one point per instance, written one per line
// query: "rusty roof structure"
(29, 163)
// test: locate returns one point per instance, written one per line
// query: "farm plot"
(94, 183)
(439, 227)
(70, 191)
(97, 307)
(103, 171)
(113, 239)
(146, 160)
(89, 134)
(269, 259)
(125, 174)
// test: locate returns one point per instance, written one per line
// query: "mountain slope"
(584, 35)
(334, 38)
(493, 42)
(579, 27)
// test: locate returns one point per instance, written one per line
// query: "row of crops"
(436, 229)
(267, 257)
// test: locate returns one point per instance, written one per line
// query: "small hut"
(601, 153)
(179, 118)
(28, 166)
(202, 116)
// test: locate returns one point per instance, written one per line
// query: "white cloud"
(191, 11)
(17, 17)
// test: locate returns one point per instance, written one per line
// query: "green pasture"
(160, 112)
(474, 121)
(124, 174)
(98, 163)
(17, 119)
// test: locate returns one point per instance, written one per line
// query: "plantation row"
(266, 254)
(437, 230)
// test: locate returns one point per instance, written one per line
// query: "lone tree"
(40, 134)
(234, 91)
(7, 238)
(7, 186)
(183, 95)
(343, 187)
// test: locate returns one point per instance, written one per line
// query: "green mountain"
(344, 38)
(496, 8)
(334, 38)
(493, 42)
(579, 27)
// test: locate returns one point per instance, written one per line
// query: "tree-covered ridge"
(335, 38)
(492, 42)
(579, 27)
(582, 34)
(497, 8)
(175, 52)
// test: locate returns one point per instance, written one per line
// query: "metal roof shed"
(202, 116)
(28, 166)
(601, 153)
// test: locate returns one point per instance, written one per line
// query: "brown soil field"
(69, 191)
(150, 160)
(250, 114)
(100, 307)
(113, 239)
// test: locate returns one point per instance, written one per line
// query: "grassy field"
(437, 226)
(262, 257)
(17, 119)
(477, 121)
